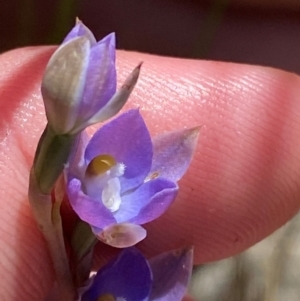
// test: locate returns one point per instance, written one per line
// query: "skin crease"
(243, 183)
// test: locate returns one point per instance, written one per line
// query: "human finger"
(241, 186)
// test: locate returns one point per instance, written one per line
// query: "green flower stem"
(51, 155)
(48, 219)
(83, 239)
(83, 242)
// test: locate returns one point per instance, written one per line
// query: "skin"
(243, 183)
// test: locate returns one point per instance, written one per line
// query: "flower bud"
(79, 84)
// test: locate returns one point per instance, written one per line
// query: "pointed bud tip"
(135, 73)
(193, 133)
(111, 36)
(184, 252)
(109, 40)
(195, 130)
(77, 21)
(185, 256)
(139, 66)
(131, 80)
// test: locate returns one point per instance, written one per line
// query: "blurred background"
(268, 271)
(264, 32)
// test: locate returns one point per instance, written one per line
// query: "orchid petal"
(101, 77)
(80, 30)
(127, 139)
(148, 202)
(171, 274)
(121, 235)
(128, 277)
(90, 210)
(158, 205)
(63, 83)
(115, 104)
(173, 152)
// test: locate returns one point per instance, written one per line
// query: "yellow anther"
(106, 297)
(100, 165)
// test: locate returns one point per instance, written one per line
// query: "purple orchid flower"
(122, 179)
(79, 84)
(131, 277)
